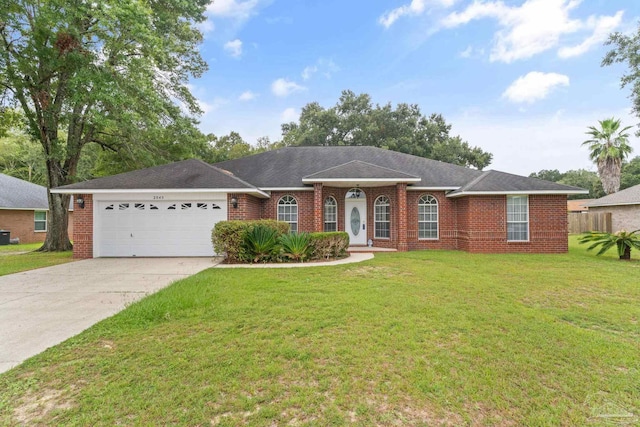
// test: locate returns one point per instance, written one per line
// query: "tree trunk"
(627, 253)
(58, 217)
(609, 170)
(57, 224)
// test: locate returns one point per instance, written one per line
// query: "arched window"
(427, 217)
(288, 212)
(382, 218)
(330, 214)
(355, 193)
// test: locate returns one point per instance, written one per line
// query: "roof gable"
(359, 170)
(186, 174)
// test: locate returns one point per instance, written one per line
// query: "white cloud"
(534, 86)
(232, 8)
(602, 26)
(467, 52)
(234, 48)
(309, 71)
(247, 96)
(416, 7)
(533, 27)
(324, 66)
(289, 115)
(283, 87)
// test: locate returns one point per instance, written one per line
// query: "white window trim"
(518, 222)
(324, 217)
(46, 217)
(288, 204)
(426, 222)
(375, 220)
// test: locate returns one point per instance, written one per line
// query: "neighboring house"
(578, 205)
(24, 208)
(382, 197)
(624, 207)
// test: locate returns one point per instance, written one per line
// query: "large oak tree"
(98, 72)
(354, 120)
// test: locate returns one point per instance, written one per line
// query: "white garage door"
(157, 229)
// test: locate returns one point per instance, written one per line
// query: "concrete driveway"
(41, 308)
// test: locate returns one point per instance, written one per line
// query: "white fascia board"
(287, 188)
(162, 190)
(516, 193)
(612, 204)
(432, 188)
(314, 180)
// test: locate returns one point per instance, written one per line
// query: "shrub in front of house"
(296, 246)
(261, 244)
(228, 237)
(329, 245)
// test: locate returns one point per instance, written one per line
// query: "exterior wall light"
(80, 201)
(234, 202)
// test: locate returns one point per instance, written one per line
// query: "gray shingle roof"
(357, 169)
(287, 166)
(501, 182)
(18, 194)
(628, 196)
(187, 174)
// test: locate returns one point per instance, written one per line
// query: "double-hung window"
(330, 214)
(427, 217)
(40, 221)
(382, 218)
(517, 218)
(288, 212)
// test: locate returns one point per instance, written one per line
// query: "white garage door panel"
(156, 229)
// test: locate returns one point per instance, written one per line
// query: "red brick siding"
(305, 208)
(21, 224)
(447, 222)
(83, 229)
(249, 207)
(483, 225)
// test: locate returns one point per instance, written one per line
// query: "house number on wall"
(158, 197)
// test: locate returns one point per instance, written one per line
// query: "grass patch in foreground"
(23, 247)
(418, 338)
(15, 263)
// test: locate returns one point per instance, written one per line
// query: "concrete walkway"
(43, 307)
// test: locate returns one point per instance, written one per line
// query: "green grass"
(25, 247)
(11, 262)
(419, 338)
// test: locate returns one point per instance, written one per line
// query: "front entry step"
(369, 249)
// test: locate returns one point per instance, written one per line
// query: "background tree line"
(354, 120)
(590, 180)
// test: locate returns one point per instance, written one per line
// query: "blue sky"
(521, 79)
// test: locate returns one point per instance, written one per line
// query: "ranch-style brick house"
(24, 210)
(379, 197)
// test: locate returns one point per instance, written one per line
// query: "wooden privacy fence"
(592, 221)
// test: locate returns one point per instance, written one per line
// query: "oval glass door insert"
(355, 221)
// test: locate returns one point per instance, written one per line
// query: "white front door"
(355, 221)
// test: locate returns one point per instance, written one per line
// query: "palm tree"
(608, 147)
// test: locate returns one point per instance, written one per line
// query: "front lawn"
(23, 247)
(17, 259)
(419, 338)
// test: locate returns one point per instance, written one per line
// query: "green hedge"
(228, 237)
(329, 245)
